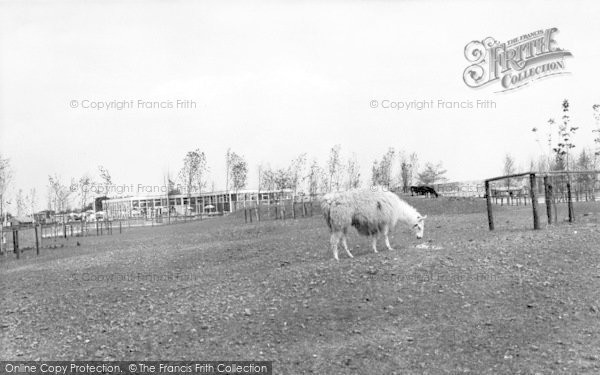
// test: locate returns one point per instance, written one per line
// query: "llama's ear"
(421, 218)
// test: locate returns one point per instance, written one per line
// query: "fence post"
(548, 198)
(120, 228)
(16, 242)
(488, 200)
(534, 202)
(245, 215)
(37, 243)
(570, 203)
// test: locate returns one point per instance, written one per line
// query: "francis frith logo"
(514, 63)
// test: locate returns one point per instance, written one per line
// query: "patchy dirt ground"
(462, 300)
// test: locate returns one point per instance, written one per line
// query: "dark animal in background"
(423, 190)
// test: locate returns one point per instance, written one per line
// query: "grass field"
(472, 301)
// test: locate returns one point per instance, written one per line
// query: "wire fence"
(54, 235)
(554, 193)
(284, 210)
(28, 237)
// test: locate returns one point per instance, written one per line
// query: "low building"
(210, 203)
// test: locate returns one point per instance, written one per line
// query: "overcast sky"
(272, 80)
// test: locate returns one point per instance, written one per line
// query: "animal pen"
(556, 190)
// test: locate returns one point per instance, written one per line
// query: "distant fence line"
(28, 237)
(287, 210)
(49, 236)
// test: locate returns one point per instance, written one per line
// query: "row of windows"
(187, 201)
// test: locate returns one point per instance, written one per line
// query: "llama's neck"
(409, 214)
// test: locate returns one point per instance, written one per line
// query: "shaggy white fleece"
(371, 211)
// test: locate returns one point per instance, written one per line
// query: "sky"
(272, 80)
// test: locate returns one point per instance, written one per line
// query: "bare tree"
(353, 170)
(21, 203)
(386, 167)
(509, 168)
(5, 180)
(282, 179)
(32, 199)
(60, 193)
(596, 109)
(315, 178)
(334, 165)
(375, 173)
(585, 162)
(382, 170)
(432, 173)
(238, 168)
(408, 165)
(105, 175)
(297, 172)
(83, 185)
(565, 133)
(228, 162)
(266, 179)
(193, 171)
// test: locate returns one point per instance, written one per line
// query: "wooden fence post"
(16, 243)
(488, 200)
(534, 202)
(548, 198)
(37, 243)
(570, 203)
(245, 215)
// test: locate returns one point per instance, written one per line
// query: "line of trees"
(395, 170)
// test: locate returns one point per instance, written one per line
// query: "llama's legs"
(346, 246)
(374, 241)
(334, 240)
(386, 231)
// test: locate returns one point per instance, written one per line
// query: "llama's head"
(419, 226)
